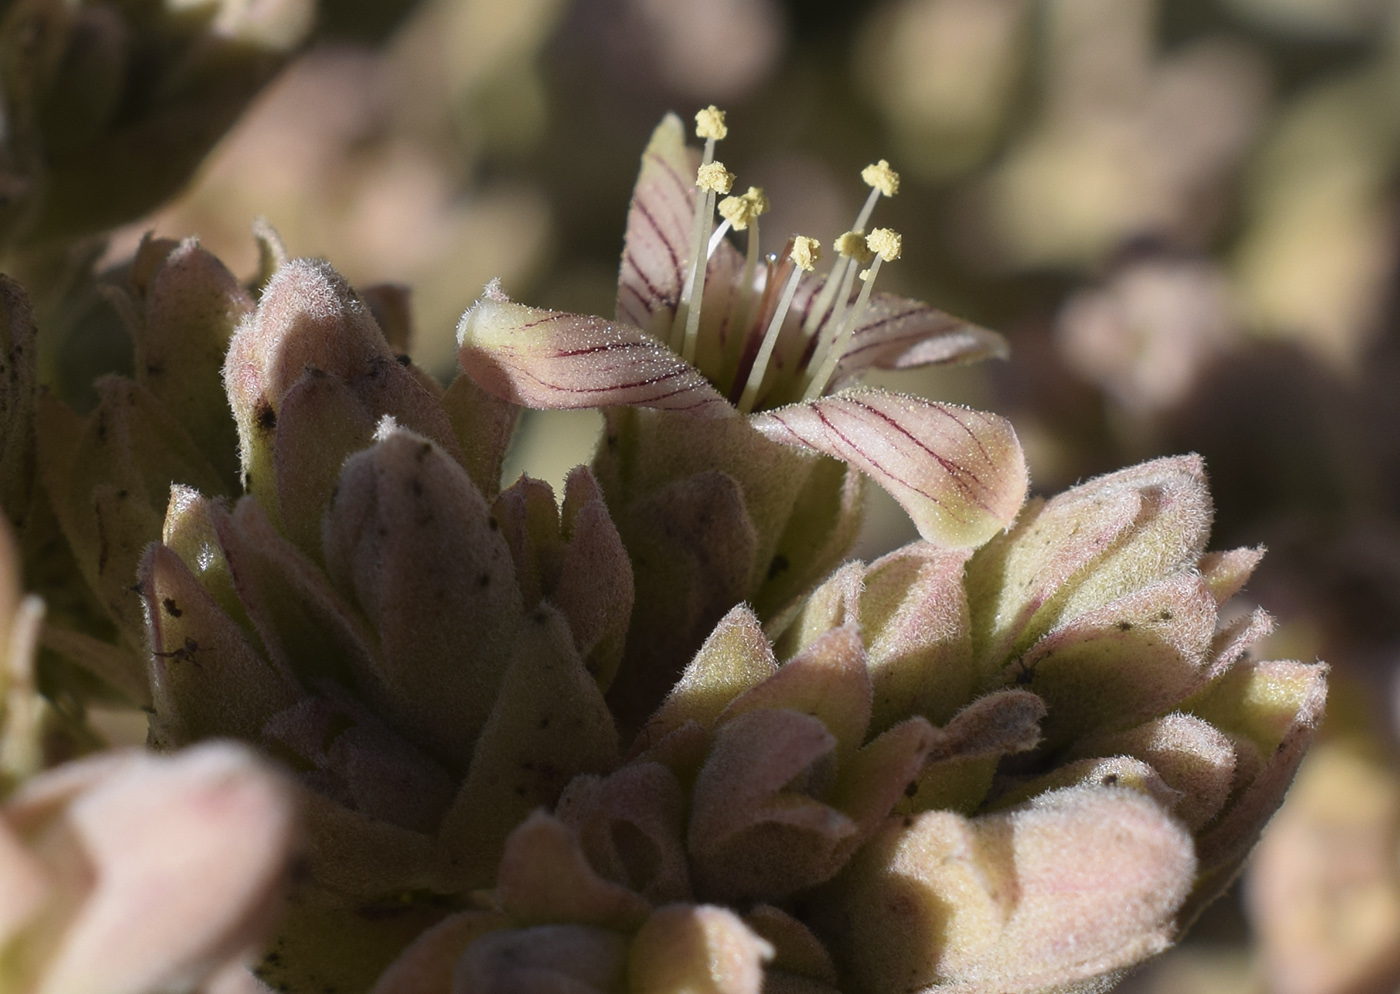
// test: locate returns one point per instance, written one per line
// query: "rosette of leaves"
(1021, 769)
(427, 653)
(109, 106)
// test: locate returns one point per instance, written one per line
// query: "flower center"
(751, 353)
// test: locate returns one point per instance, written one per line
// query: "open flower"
(716, 381)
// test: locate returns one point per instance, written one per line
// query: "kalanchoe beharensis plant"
(654, 737)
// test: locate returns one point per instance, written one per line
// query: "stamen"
(719, 234)
(887, 246)
(714, 179)
(805, 253)
(882, 180)
(854, 254)
(709, 125)
(752, 204)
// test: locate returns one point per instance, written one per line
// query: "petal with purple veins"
(958, 472)
(898, 333)
(556, 360)
(659, 220)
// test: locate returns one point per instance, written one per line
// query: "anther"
(885, 243)
(805, 254)
(740, 211)
(709, 124)
(880, 176)
(852, 246)
(714, 178)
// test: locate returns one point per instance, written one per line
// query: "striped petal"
(552, 359)
(657, 244)
(898, 333)
(958, 472)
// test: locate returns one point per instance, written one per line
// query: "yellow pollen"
(852, 246)
(736, 211)
(881, 177)
(709, 123)
(758, 203)
(805, 252)
(885, 243)
(713, 176)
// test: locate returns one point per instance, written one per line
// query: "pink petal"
(898, 333)
(551, 360)
(657, 244)
(958, 472)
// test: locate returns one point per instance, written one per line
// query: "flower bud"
(192, 305)
(484, 426)
(408, 536)
(310, 327)
(130, 872)
(1081, 882)
(1084, 548)
(108, 477)
(548, 723)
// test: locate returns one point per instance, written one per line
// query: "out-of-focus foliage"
(109, 107)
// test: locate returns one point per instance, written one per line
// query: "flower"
(691, 357)
(654, 734)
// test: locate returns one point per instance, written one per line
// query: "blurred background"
(1181, 213)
